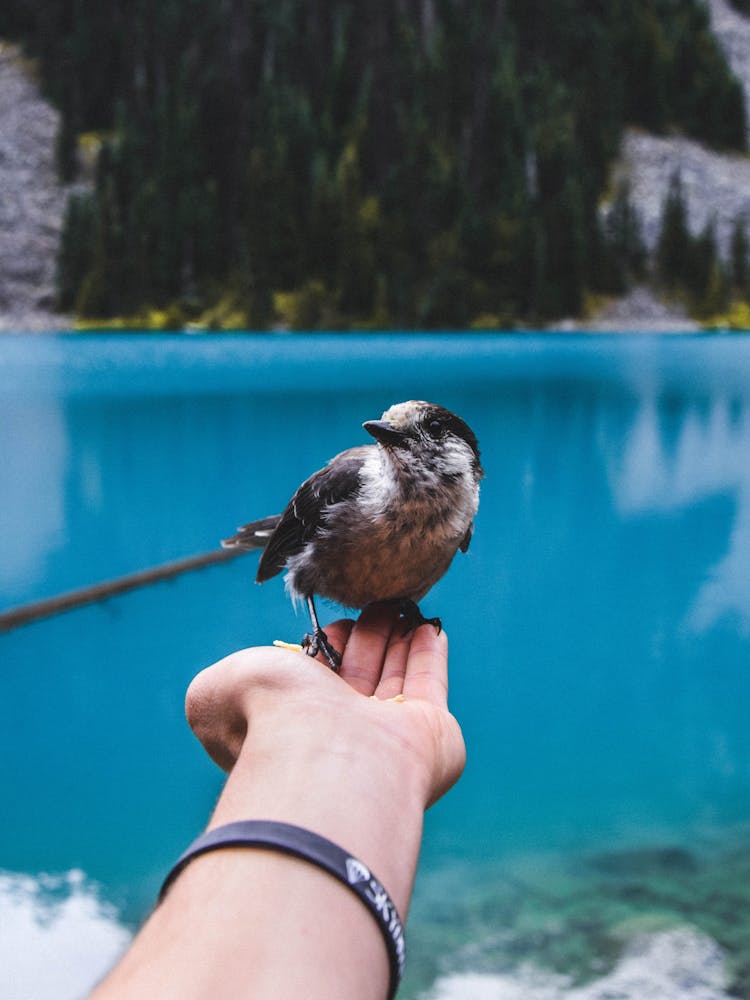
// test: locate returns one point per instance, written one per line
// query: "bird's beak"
(384, 432)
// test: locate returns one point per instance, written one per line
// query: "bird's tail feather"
(254, 535)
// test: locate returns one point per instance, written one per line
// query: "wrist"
(353, 790)
(297, 842)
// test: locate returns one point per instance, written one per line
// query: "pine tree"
(624, 252)
(705, 280)
(74, 255)
(672, 249)
(738, 257)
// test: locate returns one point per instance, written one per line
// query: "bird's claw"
(436, 623)
(413, 617)
(318, 642)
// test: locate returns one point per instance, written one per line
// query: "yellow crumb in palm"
(399, 697)
(294, 646)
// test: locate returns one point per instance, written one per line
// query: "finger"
(391, 681)
(427, 666)
(365, 651)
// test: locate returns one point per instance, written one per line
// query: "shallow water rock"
(59, 937)
(645, 861)
(641, 921)
(676, 964)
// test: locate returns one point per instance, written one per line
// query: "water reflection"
(676, 457)
(34, 457)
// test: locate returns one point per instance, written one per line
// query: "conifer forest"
(371, 164)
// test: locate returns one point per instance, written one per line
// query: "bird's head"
(426, 433)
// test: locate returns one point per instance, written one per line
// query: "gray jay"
(380, 522)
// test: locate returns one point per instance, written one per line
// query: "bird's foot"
(413, 617)
(318, 642)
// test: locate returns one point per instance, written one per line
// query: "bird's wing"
(304, 514)
(464, 546)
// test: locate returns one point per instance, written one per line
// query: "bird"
(379, 522)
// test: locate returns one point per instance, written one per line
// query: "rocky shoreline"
(639, 311)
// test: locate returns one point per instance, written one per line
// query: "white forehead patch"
(404, 414)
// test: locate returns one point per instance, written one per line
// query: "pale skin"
(357, 758)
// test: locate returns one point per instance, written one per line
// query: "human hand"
(315, 749)
(294, 707)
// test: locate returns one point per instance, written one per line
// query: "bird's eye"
(434, 428)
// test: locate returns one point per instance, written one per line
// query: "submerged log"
(27, 613)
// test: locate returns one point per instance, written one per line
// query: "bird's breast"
(398, 551)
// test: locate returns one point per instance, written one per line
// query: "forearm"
(352, 790)
(294, 931)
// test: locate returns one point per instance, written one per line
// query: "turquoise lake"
(599, 626)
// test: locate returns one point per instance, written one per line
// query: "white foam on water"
(676, 964)
(57, 937)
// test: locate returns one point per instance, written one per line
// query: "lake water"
(600, 630)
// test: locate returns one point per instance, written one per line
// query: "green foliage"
(622, 254)
(17, 19)
(706, 279)
(417, 163)
(690, 266)
(74, 256)
(672, 251)
(739, 259)
(735, 317)
(307, 308)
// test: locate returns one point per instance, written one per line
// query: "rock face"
(715, 186)
(32, 201)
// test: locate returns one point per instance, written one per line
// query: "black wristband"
(301, 843)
